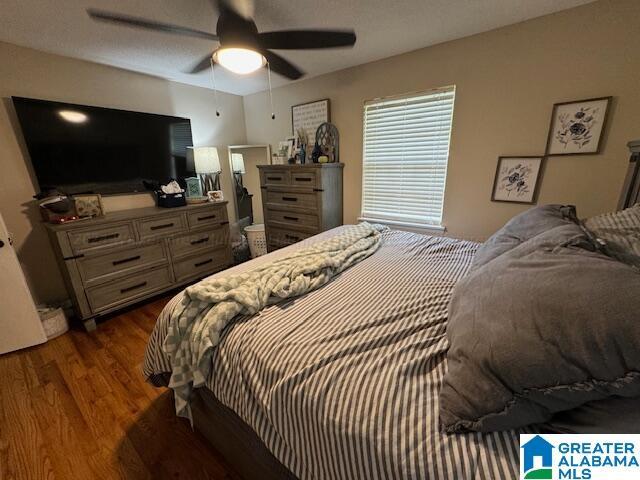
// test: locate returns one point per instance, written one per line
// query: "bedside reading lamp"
(207, 166)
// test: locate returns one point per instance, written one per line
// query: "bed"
(343, 382)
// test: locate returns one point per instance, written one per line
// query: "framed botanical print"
(517, 179)
(577, 127)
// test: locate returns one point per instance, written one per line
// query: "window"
(405, 153)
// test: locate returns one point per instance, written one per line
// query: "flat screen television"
(83, 149)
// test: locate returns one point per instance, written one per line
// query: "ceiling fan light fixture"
(239, 60)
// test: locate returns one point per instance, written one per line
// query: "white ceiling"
(383, 28)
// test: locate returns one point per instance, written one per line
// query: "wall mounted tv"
(82, 149)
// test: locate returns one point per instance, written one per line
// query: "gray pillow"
(545, 327)
(619, 233)
(523, 227)
(613, 415)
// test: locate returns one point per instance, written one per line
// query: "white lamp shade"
(205, 159)
(237, 163)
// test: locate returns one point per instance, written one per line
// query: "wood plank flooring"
(78, 407)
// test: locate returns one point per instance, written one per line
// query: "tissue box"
(170, 200)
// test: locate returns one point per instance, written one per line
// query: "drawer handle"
(292, 237)
(199, 264)
(303, 179)
(159, 227)
(133, 287)
(293, 219)
(103, 237)
(126, 260)
(208, 217)
(201, 240)
(290, 199)
(274, 178)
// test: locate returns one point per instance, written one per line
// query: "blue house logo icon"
(539, 448)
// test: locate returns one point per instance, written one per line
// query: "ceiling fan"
(242, 48)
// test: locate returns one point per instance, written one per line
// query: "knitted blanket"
(197, 322)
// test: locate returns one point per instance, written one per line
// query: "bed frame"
(234, 439)
(631, 189)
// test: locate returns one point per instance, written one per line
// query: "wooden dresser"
(124, 257)
(299, 201)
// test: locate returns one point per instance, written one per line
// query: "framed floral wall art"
(517, 179)
(577, 127)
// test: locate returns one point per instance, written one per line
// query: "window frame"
(407, 225)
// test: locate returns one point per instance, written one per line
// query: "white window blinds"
(406, 148)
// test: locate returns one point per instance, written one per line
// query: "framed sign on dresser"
(299, 201)
(124, 257)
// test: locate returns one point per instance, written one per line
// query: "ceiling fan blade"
(137, 22)
(281, 66)
(201, 65)
(244, 8)
(234, 26)
(307, 39)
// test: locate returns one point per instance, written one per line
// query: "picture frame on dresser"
(89, 205)
(307, 117)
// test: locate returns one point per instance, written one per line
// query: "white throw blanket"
(207, 307)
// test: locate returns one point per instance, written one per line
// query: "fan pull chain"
(215, 90)
(273, 115)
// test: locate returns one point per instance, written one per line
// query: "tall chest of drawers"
(114, 261)
(299, 201)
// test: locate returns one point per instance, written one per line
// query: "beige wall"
(507, 82)
(29, 73)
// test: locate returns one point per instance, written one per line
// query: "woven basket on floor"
(257, 239)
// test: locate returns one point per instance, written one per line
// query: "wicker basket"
(257, 239)
(54, 321)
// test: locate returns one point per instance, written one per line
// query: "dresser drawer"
(280, 237)
(297, 221)
(98, 268)
(89, 239)
(202, 264)
(279, 200)
(160, 226)
(274, 177)
(305, 178)
(127, 289)
(195, 242)
(207, 217)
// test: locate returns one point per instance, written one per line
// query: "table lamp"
(207, 166)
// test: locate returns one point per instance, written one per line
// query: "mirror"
(247, 197)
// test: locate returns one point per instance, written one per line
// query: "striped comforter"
(343, 382)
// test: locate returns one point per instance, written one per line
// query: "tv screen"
(82, 149)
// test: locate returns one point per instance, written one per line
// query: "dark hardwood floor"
(78, 407)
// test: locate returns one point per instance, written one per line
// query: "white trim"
(414, 93)
(413, 227)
